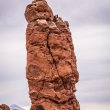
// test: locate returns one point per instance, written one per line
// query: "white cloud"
(95, 106)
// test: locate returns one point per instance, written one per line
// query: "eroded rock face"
(51, 63)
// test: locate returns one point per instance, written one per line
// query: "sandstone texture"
(4, 107)
(51, 63)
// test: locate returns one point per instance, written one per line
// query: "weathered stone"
(4, 107)
(39, 9)
(51, 63)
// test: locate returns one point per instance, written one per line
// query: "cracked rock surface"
(51, 63)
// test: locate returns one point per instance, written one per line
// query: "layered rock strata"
(51, 63)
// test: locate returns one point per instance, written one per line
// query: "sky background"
(90, 26)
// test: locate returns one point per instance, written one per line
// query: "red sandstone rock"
(51, 63)
(4, 107)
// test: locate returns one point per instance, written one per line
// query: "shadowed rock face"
(51, 63)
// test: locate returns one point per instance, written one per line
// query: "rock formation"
(51, 63)
(4, 107)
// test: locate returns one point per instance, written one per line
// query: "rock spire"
(51, 68)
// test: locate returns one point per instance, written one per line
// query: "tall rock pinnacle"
(51, 63)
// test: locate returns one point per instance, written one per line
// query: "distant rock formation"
(15, 107)
(51, 63)
(12, 107)
(4, 107)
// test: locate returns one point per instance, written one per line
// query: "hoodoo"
(51, 68)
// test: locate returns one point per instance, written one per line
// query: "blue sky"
(90, 26)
